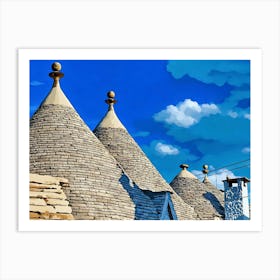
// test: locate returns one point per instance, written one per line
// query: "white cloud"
(165, 149)
(233, 114)
(186, 113)
(197, 173)
(246, 150)
(216, 178)
(232, 101)
(36, 83)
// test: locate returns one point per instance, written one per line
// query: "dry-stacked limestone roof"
(47, 199)
(205, 198)
(114, 136)
(219, 194)
(62, 145)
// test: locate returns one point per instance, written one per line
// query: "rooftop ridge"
(56, 96)
(184, 173)
(110, 120)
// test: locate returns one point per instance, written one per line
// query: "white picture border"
(24, 57)
(142, 24)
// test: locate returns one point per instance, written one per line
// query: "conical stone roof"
(206, 200)
(219, 202)
(114, 136)
(62, 145)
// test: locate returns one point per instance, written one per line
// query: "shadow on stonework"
(164, 204)
(144, 207)
(215, 203)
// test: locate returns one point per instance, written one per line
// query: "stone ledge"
(46, 179)
(41, 209)
(50, 216)
(53, 201)
(63, 209)
(47, 195)
(37, 202)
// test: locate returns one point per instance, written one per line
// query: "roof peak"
(110, 120)
(56, 96)
(184, 173)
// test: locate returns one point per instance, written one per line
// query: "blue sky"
(186, 111)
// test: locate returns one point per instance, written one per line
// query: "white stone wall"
(245, 200)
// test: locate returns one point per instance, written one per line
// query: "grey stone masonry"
(62, 145)
(206, 199)
(127, 152)
(138, 167)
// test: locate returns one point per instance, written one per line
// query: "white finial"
(184, 166)
(110, 120)
(185, 173)
(56, 74)
(205, 171)
(56, 66)
(111, 99)
(56, 95)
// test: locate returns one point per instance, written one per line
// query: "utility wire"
(213, 171)
(234, 163)
(240, 167)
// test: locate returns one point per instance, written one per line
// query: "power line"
(240, 167)
(234, 163)
(215, 174)
(214, 171)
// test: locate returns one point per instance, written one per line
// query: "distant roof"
(184, 173)
(206, 200)
(133, 160)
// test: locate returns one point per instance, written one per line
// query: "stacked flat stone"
(114, 136)
(206, 201)
(47, 199)
(62, 145)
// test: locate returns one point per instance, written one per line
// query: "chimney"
(236, 199)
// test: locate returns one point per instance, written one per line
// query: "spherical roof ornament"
(111, 98)
(56, 74)
(111, 94)
(205, 169)
(56, 66)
